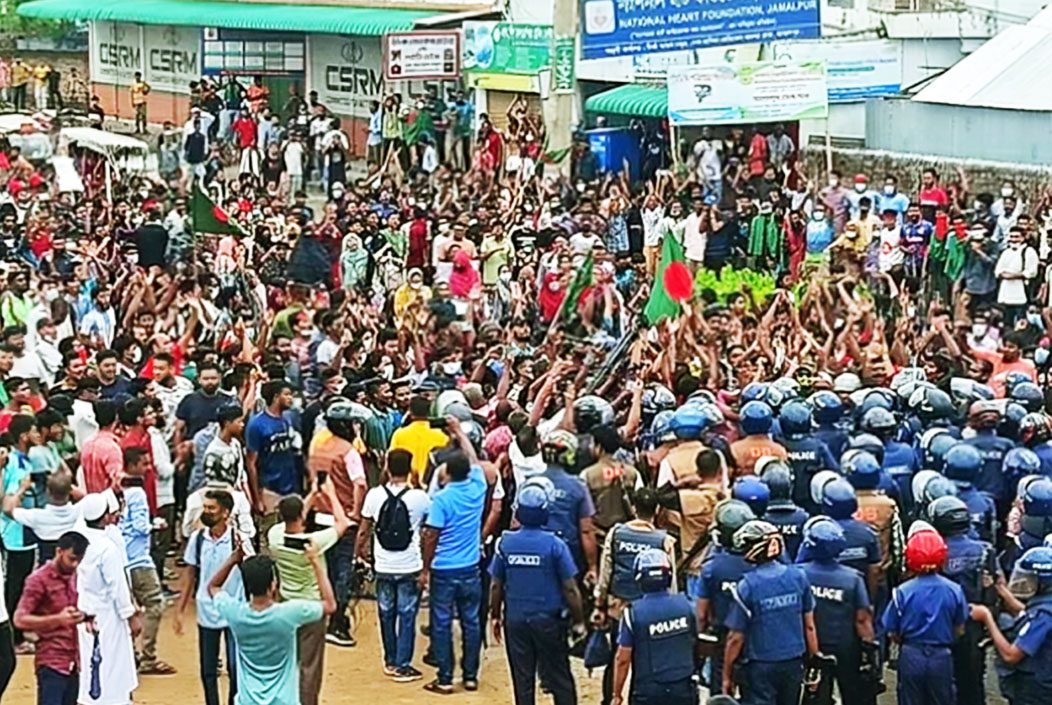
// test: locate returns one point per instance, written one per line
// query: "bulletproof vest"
(627, 544)
(531, 574)
(982, 513)
(609, 484)
(1036, 526)
(329, 457)
(698, 507)
(965, 564)
(663, 635)
(681, 458)
(789, 519)
(878, 510)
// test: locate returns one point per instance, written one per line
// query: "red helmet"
(925, 552)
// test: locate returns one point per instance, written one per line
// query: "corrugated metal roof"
(367, 21)
(1010, 71)
(632, 99)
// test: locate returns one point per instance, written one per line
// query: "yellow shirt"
(20, 74)
(40, 73)
(138, 92)
(419, 439)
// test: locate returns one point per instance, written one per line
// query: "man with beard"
(271, 461)
(111, 383)
(170, 388)
(18, 301)
(197, 409)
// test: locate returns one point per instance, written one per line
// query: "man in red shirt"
(932, 196)
(101, 459)
(48, 608)
(245, 128)
(137, 417)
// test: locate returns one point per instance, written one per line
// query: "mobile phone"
(296, 543)
(323, 477)
(437, 422)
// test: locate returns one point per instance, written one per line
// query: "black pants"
(54, 688)
(18, 96)
(848, 661)
(7, 657)
(677, 693)
(969, 666)
(539, 644)
(208, 645)
(19, 566)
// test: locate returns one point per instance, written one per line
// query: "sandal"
(439, 688)
(158, 668)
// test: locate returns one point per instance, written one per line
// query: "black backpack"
(394, 529)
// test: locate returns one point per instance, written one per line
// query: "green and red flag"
(207, 218)
(582, 279)
(673, 283)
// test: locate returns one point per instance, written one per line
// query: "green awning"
(632, 99)
(330, 19)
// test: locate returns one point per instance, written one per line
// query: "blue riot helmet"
(878, 398)
(778, 477)
(847, 383)
(931, 404)
(964, 391)
(661, 428)
(1020, 462)
(962, 463)
(531, 505)
(688, 422)
(591, 411)
(729, 516)
(653, 570)
(1035, 428)
(869, 443)
(826, 407)
(754, 391)
(934, 444)
(818, 485)
(701, 396)
(1032, 574)
(1013, 380)
(1028, 395)
(756, 418)
(751, 490)
(878, 421)
(949, 515)
(928, 485)
(1013, 416)
(906, 381)
(712, 415)
(839, 500)
(788, 387)
(861, 469)
(657, 398)
(1037, 507)
(795, 418)
(823, 538)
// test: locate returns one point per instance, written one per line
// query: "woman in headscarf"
(354, 262)
(464, 280)
(412, 290)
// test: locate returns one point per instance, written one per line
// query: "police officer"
(827, 412)
(771, 622)
(1019, 463)
(931, 448)
(786, 516)
(877, 510)
(926, 615)
(962, 464)
(1035, 522)
(532, 589)
(571, 510)
(657, 639)
(687, 424)
(926, 487)
(807, 453)
(971, 564)
(720, 573)
(755, 419)
(751, 490)
(862, 549)
(1029, 655)
(899, 461)
(843, 615)
(1035, 431)
(983, 417)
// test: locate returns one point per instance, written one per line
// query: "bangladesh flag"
(582, 279)
(555, 156)
(208, 218)
(672, 283)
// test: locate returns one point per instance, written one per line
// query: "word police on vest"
(827, 593)
(523, 559)
(669, 627)
(632, 546)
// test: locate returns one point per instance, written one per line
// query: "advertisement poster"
(420, 55)
(563, 59)
(116, 53)
(855, 70)
(173, 57)
(229, 51)
(625, 27)
(503, 47)
(750, 93)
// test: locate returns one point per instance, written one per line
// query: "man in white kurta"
(103, 593)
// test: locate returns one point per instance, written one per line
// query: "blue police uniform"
(839, 593)
(1033, 675)
(533, 564)
(982, 510)
(833, 436)
(993, 448)
(769, 608)
(862, 550)
(571, 503)
(720, 574)
(789, 519)
(661, 629)
(807, 455)
(925, 613)
(900, 462)
(968, 560)
(1044, 454)
(627, 544)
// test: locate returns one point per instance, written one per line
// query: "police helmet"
(826, 407)
(559, 447)
(1037, 498)
(778, 477)
(861, 469)
(795, 418)
(756, 418)
(754, 391)
(906, 381)
(591, 411)
(964, 391)
(824, 538)
(925, 552)
(876, 398)
(711, 413)
(661, 427)
(1028, 395)
(869, 443)
(839, 500)
(878, 420)
(657, 398)
(818, 484)
(688, 422)
(751, 490)
(847, 383)
(447, 399)
(701, 396)
(984, 413)
(653, 570)
(1013, 416)
(931, 404)
(789, 388)
(1013, 380)
(1021, 461)
(729, 516)
(962, 463)
(340, 417)
(950, 516)
(1035, 428)
(935, 443)
(928, 485)
(1032, 574)
(531, 505)
(758, 542)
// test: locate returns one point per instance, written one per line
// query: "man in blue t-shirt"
(273, 471)
(450, 543)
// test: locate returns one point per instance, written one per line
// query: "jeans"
(397, 603)
(161, 540)
(456, 592)
(340, 560)
(208, 646)
(54, 688)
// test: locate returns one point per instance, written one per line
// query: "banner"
(563, 59)
(115, 53)
(854, 70)
(420, 55)
(504, 47)
(251, 53)
(758, 92)
(173, 57)
(346, 72)
(620, 27)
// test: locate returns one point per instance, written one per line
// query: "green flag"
(661, 304)
(555, 156)
(208, 218)
(582, 279)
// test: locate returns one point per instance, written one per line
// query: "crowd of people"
(441, 383)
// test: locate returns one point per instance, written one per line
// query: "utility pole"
(559, 106)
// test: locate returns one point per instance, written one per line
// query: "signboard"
(115, 53)
(172, 56)
(504, 47)
(854, 70)
(563, 58)
(346, 72)
(620, 27)
(757, 92)
(235, 52)
(419, 55)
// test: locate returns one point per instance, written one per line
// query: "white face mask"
(505, 277)
(818, 216)
(979, 330)
(1007, 191)
(889, 190)
(834, 181)
(860, 188)
(451, 368)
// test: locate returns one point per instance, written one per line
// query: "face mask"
(834, 182)
(1034, 319)
(860, 188)
(1007, 191)
(889, 190)
(979, 330)
(1041, 356)
(1016, 245)
(505, 277)
(818, 216)
(451, 368)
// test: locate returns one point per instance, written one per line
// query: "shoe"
(407, 675)
(439, 688)
(390, 671)
(340, 637)
(471, 684)
(26, 648)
